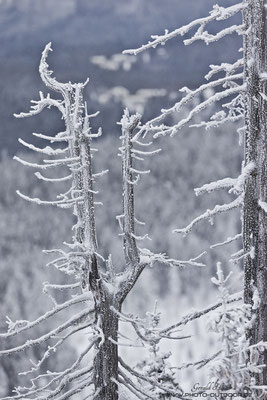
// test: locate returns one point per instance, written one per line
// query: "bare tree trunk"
(106, 364)
(106, 359)
(254, 217)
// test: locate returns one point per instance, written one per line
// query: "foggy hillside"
(81, 29)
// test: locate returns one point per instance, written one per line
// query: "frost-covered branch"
(209, 38)
(133, 387)
(228, 68)
(152, 334)
(153, 382)
(173, 130)
(227, 241)
(128, 123)
(199, 364)
(233, 367)
(46, 75)
(147, 257)
(236, 185)
(218, 13)
(209, 214)
(41, 104)
(235, 112)
(46, 150)
(210, 187)
(228, 82)
(197, 314)
(14, 328)
(59, 378)
(44, 338)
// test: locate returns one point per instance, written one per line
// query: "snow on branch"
(46, 150)
(229, 69)
(33, 165)
(178, 394)
(17, 327)
(234, 113)
(210, 214)
(59, 137)
(227, 241)
(147, 257)
(199, 364)
(62, 380)
(236, 185)
(247, 171)
(40, 105)
(197, 314)
(238, 360)
(133, 387)
(44, 338)
(235, 107)
(46, 75)
(209, 38)
(59, 203)
(147, 335)
(218, 13)
(210, 187)
(190, 95)
(55, 180)
(150, 334)
(173, 130)
(128, 124)
(54, 348)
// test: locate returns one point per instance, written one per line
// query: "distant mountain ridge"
(25, 17)
(80, 29)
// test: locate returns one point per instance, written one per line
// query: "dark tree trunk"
(106, 359)
(254, 217)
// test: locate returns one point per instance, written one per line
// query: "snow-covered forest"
(134, 218)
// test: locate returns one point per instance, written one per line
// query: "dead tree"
(255, 193)
(244, 84)
(99, 289)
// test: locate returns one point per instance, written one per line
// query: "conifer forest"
(133, 249)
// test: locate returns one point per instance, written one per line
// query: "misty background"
(88, 38)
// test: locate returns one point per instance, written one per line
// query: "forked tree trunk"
(254, 216)
(106, 359)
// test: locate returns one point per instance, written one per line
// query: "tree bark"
(106, 363)
(254, 217)
(106, 359)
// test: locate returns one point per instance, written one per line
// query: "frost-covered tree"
(100, 288)
(96, 288)
(231, 369)
(157, 364)
(243, 85)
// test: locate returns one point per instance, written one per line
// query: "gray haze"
(80, 29)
